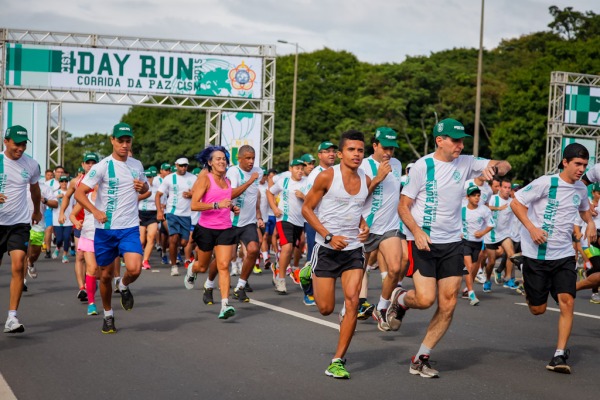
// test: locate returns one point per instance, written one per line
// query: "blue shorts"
(112, 243)
(179, 225)
(48, 217)
(270, 225)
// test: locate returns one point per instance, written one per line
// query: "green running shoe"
(305, 276)
(227, 312)
(337, 369)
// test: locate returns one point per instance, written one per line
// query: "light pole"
(293, 124)
(478, 95)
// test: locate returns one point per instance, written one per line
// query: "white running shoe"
(174, 270)
(481, 277)
(280, 285)
(32, 271)
(13, 326)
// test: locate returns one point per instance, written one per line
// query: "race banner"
(582, 105)
(132, 71)
(238, 129)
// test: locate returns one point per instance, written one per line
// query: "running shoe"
(240, 294)
(189, 279)
(480, 277)
(305, 277)
(275, 272)
(82, 296)
(365, 310)
(72, 253)
(288, 271)
(465, 293)
(25, 288)
(498, 277)
(92, 309)
(234, 269)
(511, 284)
(179, 259)
(379, 316)
(595, 298)
(207, 297)
(268, 264)
(517, 259)
(164, 260)
(257, 270)
(280, 286)
(421, 366)
(248, 289)
(395, 312)
(521, 289)
(174, 270)
(295, 276)
(117, 281)
(126, 299)
(337, 369)
(108, 325)
(487, 287)
(13, 326)
(47, 254)
(558, 363)
(32, 271)
(226, 312)
(146, 265)
(474, 300)
(65, 259)
(309, 300)
(55, 254)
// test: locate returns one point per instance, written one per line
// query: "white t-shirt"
(504, 220)
(173, 186)
(289, 204)
(437, 189)
(48, 194)
(485, 189)
(247, 200)
(15, 178)
(283, 175)
(56, 211)
(116, 195)
(476, 220)
(310, 179)
(149, 203)
(88, 229)
(515, 230)
(265, 210)
(381, 208)
(553, 206)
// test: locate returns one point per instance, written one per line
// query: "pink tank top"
(216, 219)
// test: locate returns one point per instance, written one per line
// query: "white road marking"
(558, 310)
(296, 314)
(5, 391)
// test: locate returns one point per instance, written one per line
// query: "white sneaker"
(280, 285)
(174, 270)
(190, 278)
(481, 278)
(31, 271)
(55, 254)
(234, 268)
(13, 326)
(595, 298)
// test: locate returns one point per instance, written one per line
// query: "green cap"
(387, 137)
(173, 168)
(152, 168)
(264, 170)
(196, 171)
(515, 186)
(80, 170)
(326, 145)
(150, 173)
(91, 157)
(64, 178)
(451, 128)
(17, 133)
(307, 158)
(122, 129)
(596, 187)
(472, 189)
(297, 161)
(165, 166)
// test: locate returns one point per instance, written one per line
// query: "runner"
(147, 213)
(36, 235)
(339, 193)
(120, 180)
(178, 188)
(62, 230)
(477, 221)
(17, 171)
(381, 214)
(211, 195)
(267, 241)
(163, 233)
(54, 185)
(290, 222)
(430, 207)
(548, 207)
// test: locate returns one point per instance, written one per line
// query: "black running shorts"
(472, 249)
(330, 263)
(542, 277)
(207, 238)
(14, 237)
(442, 261)
(246, 234)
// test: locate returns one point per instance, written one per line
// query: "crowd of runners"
(443, 220)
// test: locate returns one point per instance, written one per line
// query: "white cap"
(410, 165)
(181, 161)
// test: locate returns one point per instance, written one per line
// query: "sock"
(238, 260)
(241, 284)
(471, 292)
(423, 350)
(90, 288)
(209, 284)
(384, 275)
(108, 313)
(224, 303)
(116, 279)
(12, 313)
(369, 267)
(265, 255)
(383, 303)
(401, 300)
(559, 352)
(121, 286)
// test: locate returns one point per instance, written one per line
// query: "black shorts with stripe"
(441, 261)
(330, 263)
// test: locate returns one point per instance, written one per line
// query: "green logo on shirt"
(456, 176)
(576, 200)
(25, 175)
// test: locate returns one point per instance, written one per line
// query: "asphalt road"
(172, 346)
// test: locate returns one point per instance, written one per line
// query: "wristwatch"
(44, 200)
(328, 238)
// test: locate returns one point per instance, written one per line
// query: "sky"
(376, 31)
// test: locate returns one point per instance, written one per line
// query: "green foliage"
(336, 92)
